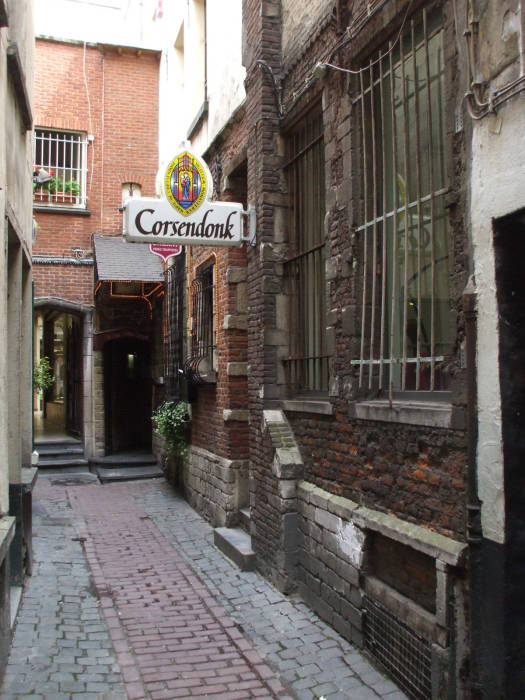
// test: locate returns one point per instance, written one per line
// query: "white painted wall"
(182, 89)
(498, 188)
(122, 22)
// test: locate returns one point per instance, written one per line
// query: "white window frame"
(63, 154)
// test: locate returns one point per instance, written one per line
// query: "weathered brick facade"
(110, 95)
(356, 483)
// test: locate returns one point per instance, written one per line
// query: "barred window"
(307, 364)
(174, 330)
(202, 359)
(405, 300)
(60, 168)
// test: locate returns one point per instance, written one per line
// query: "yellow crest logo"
(185, 183)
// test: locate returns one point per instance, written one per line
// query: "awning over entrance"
(116, 260)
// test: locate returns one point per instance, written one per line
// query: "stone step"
(125, 459)
(245, 518)
(236, 544)
(64, 462)
(128, 473)
(57, 450)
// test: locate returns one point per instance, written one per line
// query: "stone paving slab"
(61, 648)
(131, 600)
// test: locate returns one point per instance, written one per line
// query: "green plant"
(72, 187)
(43, 376)
(170, 420)
(55, 185)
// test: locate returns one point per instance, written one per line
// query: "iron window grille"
(403, 228)
(175, 316)
(307, 363)
(64, 156)
(201, 360)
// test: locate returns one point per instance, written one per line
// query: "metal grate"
(202, 338)
(405, 656)
(63, 155)
(403, 227)
(307, 364)
(175, 317)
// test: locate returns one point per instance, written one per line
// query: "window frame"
(377, 352)
(304, 269)
(201, 365)
(64, 173)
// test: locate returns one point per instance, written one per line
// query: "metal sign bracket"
(249, 226)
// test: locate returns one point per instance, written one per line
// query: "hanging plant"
(170, 420)
(43, 377)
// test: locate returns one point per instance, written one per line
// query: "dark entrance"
(127, 395)
(509, 245)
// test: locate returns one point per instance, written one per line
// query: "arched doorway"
(58, 339)
(127, 395)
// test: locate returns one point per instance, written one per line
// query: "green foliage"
(43, 376)
(72, 187)
(170, 420)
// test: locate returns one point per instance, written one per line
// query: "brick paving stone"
(172, 637)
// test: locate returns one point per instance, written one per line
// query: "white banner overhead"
(186, 215)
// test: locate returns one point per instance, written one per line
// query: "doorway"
(509, 246)
(127, 395)
(58, 342)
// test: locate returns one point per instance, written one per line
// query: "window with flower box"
(60, 168)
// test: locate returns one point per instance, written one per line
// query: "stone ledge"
(324, 408)
(7, 532)
(433, 544)
(428, 413)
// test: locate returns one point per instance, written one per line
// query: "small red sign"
(165, 251)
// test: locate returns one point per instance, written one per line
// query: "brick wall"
(117, 103)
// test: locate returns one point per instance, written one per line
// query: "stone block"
(230, 415)
(235, 322)
(331, 268)
(352, 614)
(330, 341)
(327, 520)
(346, 571)
(237, 369)
(287, 488)
(234, 275)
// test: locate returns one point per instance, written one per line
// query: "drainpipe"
(474, 530)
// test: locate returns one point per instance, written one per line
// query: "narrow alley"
(130, 599)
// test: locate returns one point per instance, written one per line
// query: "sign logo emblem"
(186, 183)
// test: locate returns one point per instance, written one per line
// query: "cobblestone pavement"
(61, 648)
(164, 614)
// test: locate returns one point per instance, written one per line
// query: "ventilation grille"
(405, 656)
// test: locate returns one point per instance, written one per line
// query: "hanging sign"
(165, 251)
(185, 215)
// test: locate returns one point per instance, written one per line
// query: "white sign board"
(185, 215)
(156, 221)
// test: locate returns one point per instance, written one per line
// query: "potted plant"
(171, 421)
(43, 377)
